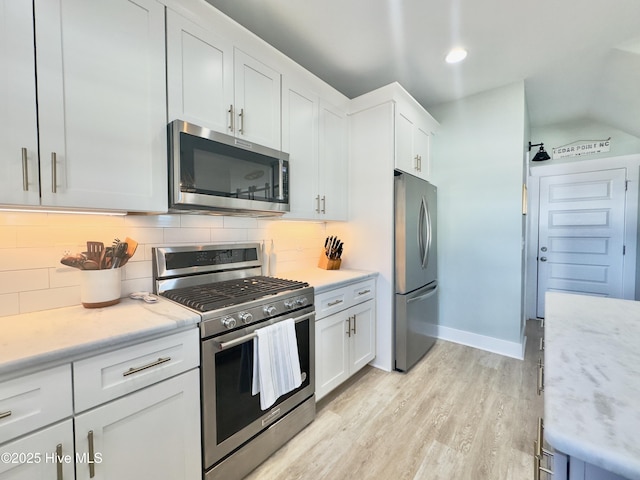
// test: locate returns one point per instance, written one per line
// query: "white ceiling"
(579, 58)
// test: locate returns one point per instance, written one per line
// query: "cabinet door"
(333, 165)
(257, 101)
(363, 335)
(43, 455)
(300, 141)
(421, 141)
(102, 104)
(19, 177)
(405, 156)
(152, 433)
(199, 75)
(332, 352)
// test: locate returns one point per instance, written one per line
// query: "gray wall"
(478, 168)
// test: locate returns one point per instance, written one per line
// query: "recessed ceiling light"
(456, 55)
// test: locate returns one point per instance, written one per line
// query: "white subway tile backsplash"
(51, 298)
(9, 304)
(24, 280)
(32, 245)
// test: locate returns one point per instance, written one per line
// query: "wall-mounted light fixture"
(541, 155)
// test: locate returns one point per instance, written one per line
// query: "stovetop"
(214, 296)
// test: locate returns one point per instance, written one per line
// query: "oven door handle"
(244, 338)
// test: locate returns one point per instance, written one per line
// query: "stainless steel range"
(223, 283)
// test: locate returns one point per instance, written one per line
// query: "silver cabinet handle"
(354, 324)
(364, 292)
(419, 163)
(25, 171)
(416, 159)
(317, 203)
(5, 414)
(541, 344)
(241, 129)
(540, 388)
(539, 452)
(324, 204)
(537, 468)
(59, 462)
(348, 332)
(54, 173)
(543, 259)
(231, 119)
(333, 304)
(133, 370)
(92, 455)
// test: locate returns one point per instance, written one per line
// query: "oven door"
(230, 414)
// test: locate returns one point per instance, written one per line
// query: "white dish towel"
(276, 364)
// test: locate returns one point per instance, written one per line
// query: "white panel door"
(363, 335)
(333, 166)
(19, 176)
(581, 233)
(199, 75)
(332, 352)
(102, 104)
(257, 101)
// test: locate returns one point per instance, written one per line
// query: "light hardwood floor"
(459, 414)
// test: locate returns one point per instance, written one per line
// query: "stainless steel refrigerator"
(416, 269)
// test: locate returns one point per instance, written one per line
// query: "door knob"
(544, 249)
(543, 259)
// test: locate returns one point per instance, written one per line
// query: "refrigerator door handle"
(424, 221)
(430, 293)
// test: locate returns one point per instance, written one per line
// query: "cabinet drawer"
(105, 377)
(33, 401)
(363, 291)
(328, 303)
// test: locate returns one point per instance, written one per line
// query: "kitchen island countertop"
(323, 280)
(592, 380)
(47, 337)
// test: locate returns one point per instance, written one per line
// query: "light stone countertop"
(323, 280)
(592, 380)
(44, 338)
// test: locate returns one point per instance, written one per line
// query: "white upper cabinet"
(199, 75)
(19, 176)
(314, 134)
(413, 133)
(218, 86)
(257, 101)
(102, 104)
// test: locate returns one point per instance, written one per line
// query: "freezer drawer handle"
(430, 293)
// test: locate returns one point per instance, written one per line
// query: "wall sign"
(582, 148)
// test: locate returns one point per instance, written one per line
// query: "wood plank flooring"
(459, 414)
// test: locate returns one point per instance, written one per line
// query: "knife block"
(328, 264)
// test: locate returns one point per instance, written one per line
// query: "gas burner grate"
(213, 296)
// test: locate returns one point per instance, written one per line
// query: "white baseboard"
(482, 342)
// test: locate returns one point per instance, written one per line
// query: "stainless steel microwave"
(214, 172)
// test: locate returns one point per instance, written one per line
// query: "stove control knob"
(270, 310)
(228, 322)
(289, 304)
(301, 302)
(246, 317)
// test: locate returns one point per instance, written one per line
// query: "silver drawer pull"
(333, 304)
(5, 414)
(541, 344)
(364, 292)
(54, 173)
(25, 170)
(133, 370)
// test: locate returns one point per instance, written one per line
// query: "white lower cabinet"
(150, 434)
(44, 455)
(345, 340)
